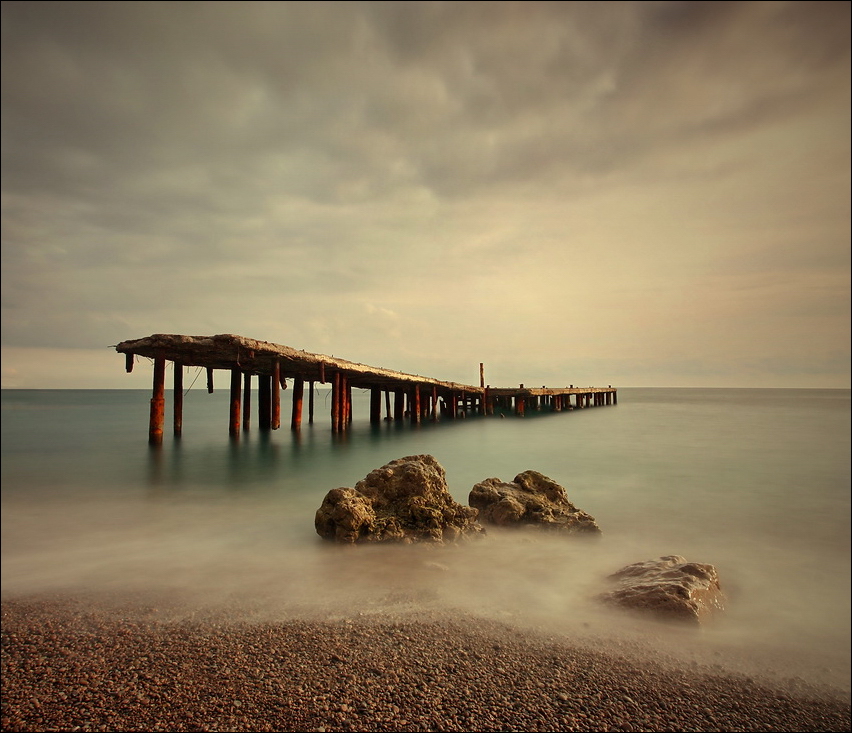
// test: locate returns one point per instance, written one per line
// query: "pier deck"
(415, 397)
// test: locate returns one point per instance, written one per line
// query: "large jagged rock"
(669, 587)
(532, 499)
(406, 500)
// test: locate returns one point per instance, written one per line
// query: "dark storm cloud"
(203, 158)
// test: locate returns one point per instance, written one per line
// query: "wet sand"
(72, 663)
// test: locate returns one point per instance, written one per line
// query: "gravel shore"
(72, 665)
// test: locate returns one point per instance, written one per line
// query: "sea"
(753, 481)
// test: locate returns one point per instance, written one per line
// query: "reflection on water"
(753, 481)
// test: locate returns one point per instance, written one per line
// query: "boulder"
(406, 500)
(532, 499)
(669, 587)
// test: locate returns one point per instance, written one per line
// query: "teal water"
(756, 482)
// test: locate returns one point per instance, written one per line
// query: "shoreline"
(71, 662)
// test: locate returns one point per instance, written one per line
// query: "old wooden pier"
(406, 396)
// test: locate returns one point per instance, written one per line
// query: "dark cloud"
(209, 158)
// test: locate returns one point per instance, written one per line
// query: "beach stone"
(406, 500)
(669, 587)
(533, 500)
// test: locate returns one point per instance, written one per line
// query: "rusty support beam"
(275, 415)
(375, 405)
(398, 405)
(348, 402)
(246, 400)
(128, 362)
(209, 380)
(298, 396)
(415, 407)
(335, 403)
(311, 402)
(234, 417)
(158, 402)
(264, 400)
(177, 398)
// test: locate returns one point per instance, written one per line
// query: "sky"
(629, 194)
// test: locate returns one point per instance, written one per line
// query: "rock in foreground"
(532, 499)
(406, 500)
(669, 588)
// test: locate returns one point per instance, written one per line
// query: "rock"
(406, 500)
(532, 499)
(669, 588)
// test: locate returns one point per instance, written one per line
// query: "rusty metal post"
(375, 405)
(234, 420)
(158, 402)
(615, 397)
(298, 396)
(398, 405)
(275, 417)
(335, 403)
(387, 405)
(264, 400)
(246, 400)
(209, 380)
(481, 375)
(311, 402)
(177, 398)
(128, 362)
(415, 407)
(348, 402)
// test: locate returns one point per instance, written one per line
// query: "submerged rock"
(406, 500)
(532, 499)
(669, 588)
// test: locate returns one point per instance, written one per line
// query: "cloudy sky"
(635, 194)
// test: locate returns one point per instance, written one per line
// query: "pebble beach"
(75, 664)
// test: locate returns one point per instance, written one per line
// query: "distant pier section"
(401, 396)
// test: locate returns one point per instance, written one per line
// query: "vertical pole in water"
(158, 402)
(615, 398)
(375, 405)
(311, 402)
(177, 398)
(209, 380)
(234, 420)
(275, 417)
(434, 403)
(344, 403)
(128, 362)
(415, 407)
(246, 400)
(298, 396)
(398, 405)
(348, 402)
(335, 403)
(264, 399)
(387, 405)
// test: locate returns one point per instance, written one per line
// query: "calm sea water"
(756, 482)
